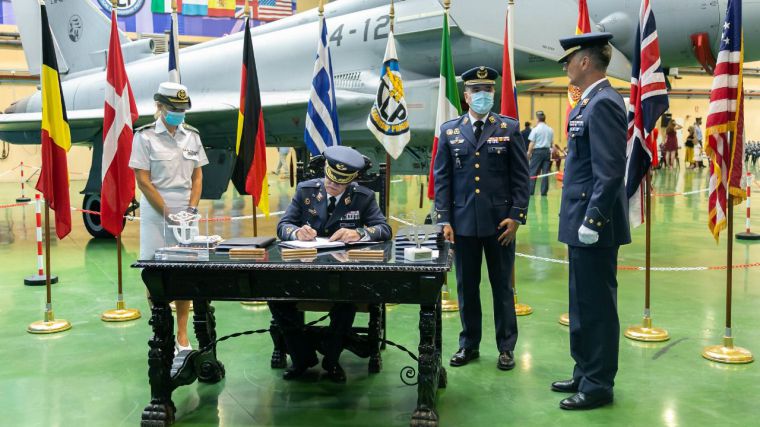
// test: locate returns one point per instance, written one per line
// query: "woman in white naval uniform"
(167, 157)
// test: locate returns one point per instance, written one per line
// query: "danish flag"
(119, 115)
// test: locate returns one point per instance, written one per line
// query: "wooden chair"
(363, 341)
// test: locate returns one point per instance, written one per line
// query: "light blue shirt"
(541, 136)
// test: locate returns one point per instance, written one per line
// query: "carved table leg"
(429, 370)
(375, 332)
(211, 370)
(442, 376)
(279, 352)
(161, 410)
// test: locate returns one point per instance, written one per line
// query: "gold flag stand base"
(174, 307)
(448, 304)
(727, 353)
(120, 313)
(253, 303)
(48, 326)
(564, 319)
(523, 309)
(645, 332)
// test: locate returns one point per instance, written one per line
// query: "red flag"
(55, 135)
(508, 92)
(119, 114)
(583, 27)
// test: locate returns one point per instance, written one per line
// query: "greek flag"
(322, 113)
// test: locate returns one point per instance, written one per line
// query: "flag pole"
(727, 352)
(520, 308)
(120, 313)
(645, 331)
(388, 156)
(447, 304)
(49, 324)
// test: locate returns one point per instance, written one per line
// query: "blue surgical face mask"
(481, 102)
(174, 118)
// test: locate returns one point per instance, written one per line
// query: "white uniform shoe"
(178, 347)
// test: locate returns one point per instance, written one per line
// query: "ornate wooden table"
(329, 277)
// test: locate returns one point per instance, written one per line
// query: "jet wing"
(215, 116)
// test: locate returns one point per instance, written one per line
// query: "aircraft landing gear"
(91, 220)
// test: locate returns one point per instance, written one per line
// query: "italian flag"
(449, 106)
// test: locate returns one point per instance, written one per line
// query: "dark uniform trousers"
(481, 179)
(302, 346)
(594, 324)
(593, 195)
(500, 259)
(540, 162)
(357, 208)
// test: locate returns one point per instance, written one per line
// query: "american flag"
(649, 99)
(271, 10)
(726, 114)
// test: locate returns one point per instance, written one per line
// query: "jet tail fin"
(80, 32)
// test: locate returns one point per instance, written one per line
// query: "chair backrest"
(375, 181)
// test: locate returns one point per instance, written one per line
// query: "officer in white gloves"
(593, 220)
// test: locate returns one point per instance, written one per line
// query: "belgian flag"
(56, 136)
(250, 173)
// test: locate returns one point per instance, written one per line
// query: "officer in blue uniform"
(593, 220)
(481, 198)
(338, 208)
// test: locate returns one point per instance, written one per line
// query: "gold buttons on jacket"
(477, 178)
(477, 165)
(477, 153)
(477, 191)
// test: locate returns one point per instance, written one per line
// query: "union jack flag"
(726, 114)
(649, 99)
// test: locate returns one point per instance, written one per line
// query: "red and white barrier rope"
(749, 196)
(38, 218)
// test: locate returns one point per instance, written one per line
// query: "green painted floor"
(96, 373)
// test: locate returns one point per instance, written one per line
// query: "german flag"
(250, 173)
(56, 137)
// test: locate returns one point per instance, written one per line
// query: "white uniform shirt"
(170, 159)
(541, 136)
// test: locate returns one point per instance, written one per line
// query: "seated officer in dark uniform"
(340, 209)
(481, 197)
(593, 220)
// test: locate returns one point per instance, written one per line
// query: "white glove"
(587, 235)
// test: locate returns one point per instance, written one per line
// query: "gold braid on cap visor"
(338, 176)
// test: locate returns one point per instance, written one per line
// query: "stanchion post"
(23, 197)
(39, 279)
(747, 234)
(49, 324)
(645, 331)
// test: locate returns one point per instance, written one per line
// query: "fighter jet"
(689, 32)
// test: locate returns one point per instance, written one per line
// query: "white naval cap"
(173, 94)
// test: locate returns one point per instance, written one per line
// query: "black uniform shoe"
(463, 357)
(335, 372)
(567, 386)
(297, 371)
(506, 361)
(583, 400)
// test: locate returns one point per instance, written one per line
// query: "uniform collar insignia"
(466, 120)
(319, 197)
(503, 125)
(491, 119)
(585, 101)
(347, 200)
